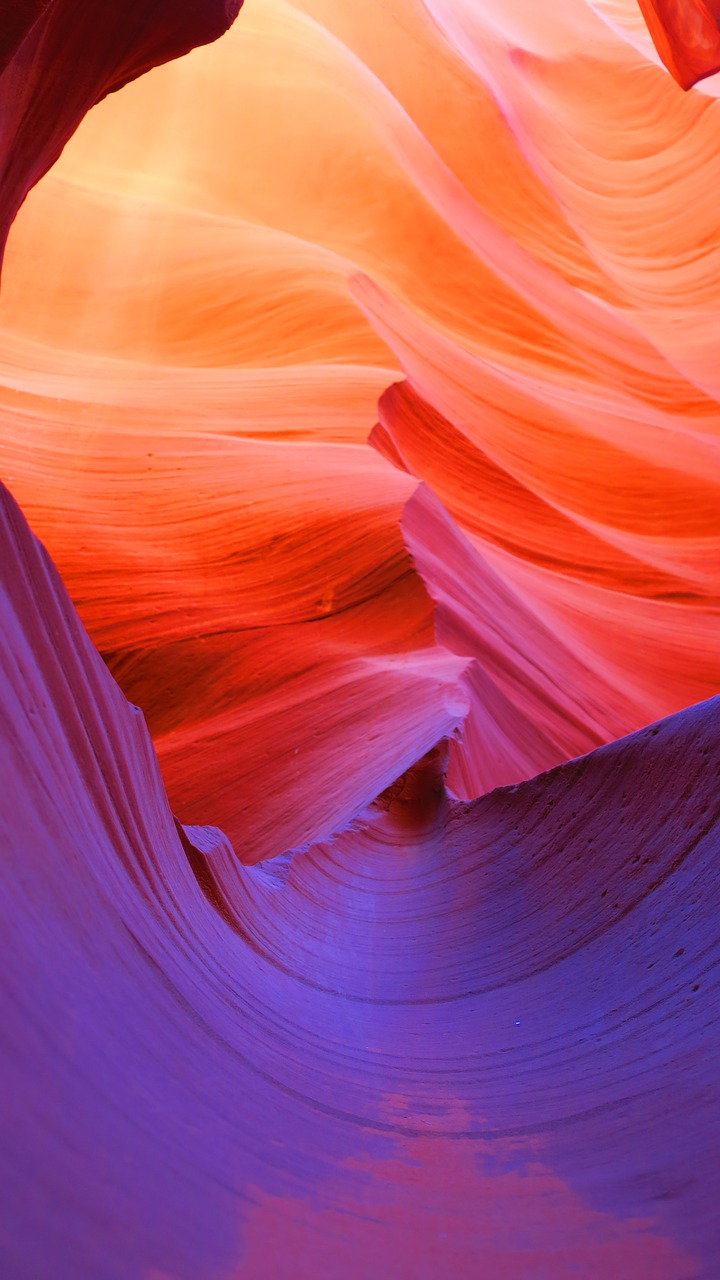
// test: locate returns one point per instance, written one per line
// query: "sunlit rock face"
(250, 257)
(59, 57)
(358, 373)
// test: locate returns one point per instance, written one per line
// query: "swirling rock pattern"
(199, 320)
(374, 433)
(476, 1039)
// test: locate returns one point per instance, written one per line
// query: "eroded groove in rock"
(479, 1035)
(359, 373)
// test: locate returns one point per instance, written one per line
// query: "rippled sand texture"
(358, 372)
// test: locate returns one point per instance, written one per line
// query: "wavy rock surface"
(203, 301)
(375, 1025)
(472, 1039)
